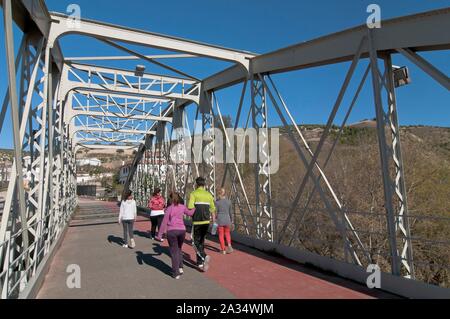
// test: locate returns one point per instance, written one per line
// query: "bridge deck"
(111, 271)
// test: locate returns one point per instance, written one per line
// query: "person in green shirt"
(203, 202)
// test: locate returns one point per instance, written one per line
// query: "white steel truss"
(60, 106)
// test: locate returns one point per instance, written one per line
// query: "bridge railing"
(25, 266)
(317, 235)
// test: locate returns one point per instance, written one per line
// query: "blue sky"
(262, 26)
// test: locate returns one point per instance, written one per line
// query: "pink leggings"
(224, 230)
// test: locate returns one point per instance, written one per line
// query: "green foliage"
(227, 120)
(353, 135)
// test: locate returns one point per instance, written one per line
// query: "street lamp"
(401, 76)
(139, 71)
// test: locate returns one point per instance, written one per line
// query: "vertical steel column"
(193, 165)
(384, 154)
(179, 115)
(262, 168)
(161, 156)
(48, 186)
(402, 221)
(9, 45)
(148, 161)
(151, 165)
(208, 151)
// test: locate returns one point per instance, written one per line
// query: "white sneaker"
(206, 264)
(181, 271)
(133, 244)
(125, 246)
(177, 277)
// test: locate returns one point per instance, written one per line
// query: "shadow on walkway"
(116, 240)
(143, 234)
(150, 260)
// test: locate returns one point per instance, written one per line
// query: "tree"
(227, 121)
(116, 177)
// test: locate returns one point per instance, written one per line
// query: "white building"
(86, 179)
(5, 171)
(124, 172)
(89, 161)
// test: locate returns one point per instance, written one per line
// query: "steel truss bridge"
(62, 105)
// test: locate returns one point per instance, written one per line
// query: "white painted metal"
(79, 106)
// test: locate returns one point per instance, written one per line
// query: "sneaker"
(181, 271)
(224, 252)
(125, 246)
(206, 264)
(229, 250)
(177, 277)
(133, 244)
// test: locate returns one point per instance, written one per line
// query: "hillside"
(355, 175)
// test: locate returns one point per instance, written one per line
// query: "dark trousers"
(176, 239)
(198, 235)
(127, 230)
(156, 222)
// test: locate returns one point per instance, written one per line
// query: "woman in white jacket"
(127, 217)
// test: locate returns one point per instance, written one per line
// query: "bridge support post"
(180, 151)
(398, 230)
(402, 224)
(161, 157)
(263, 195)
(21, 208)
(208, 165)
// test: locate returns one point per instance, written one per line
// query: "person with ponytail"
(173, 225)
(156, 204)
(127, 217)
(224, 221)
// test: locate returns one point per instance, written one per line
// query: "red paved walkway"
(253, 274)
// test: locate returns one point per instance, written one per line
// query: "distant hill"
(364, 124)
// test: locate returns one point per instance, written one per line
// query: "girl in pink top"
(173, 224)
(156, 205)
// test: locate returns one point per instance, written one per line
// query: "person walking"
(156, 205)
(173, 225)
(203, 202)
(224, 221)
(127, 217)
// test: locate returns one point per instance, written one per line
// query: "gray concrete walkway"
(110, 271)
